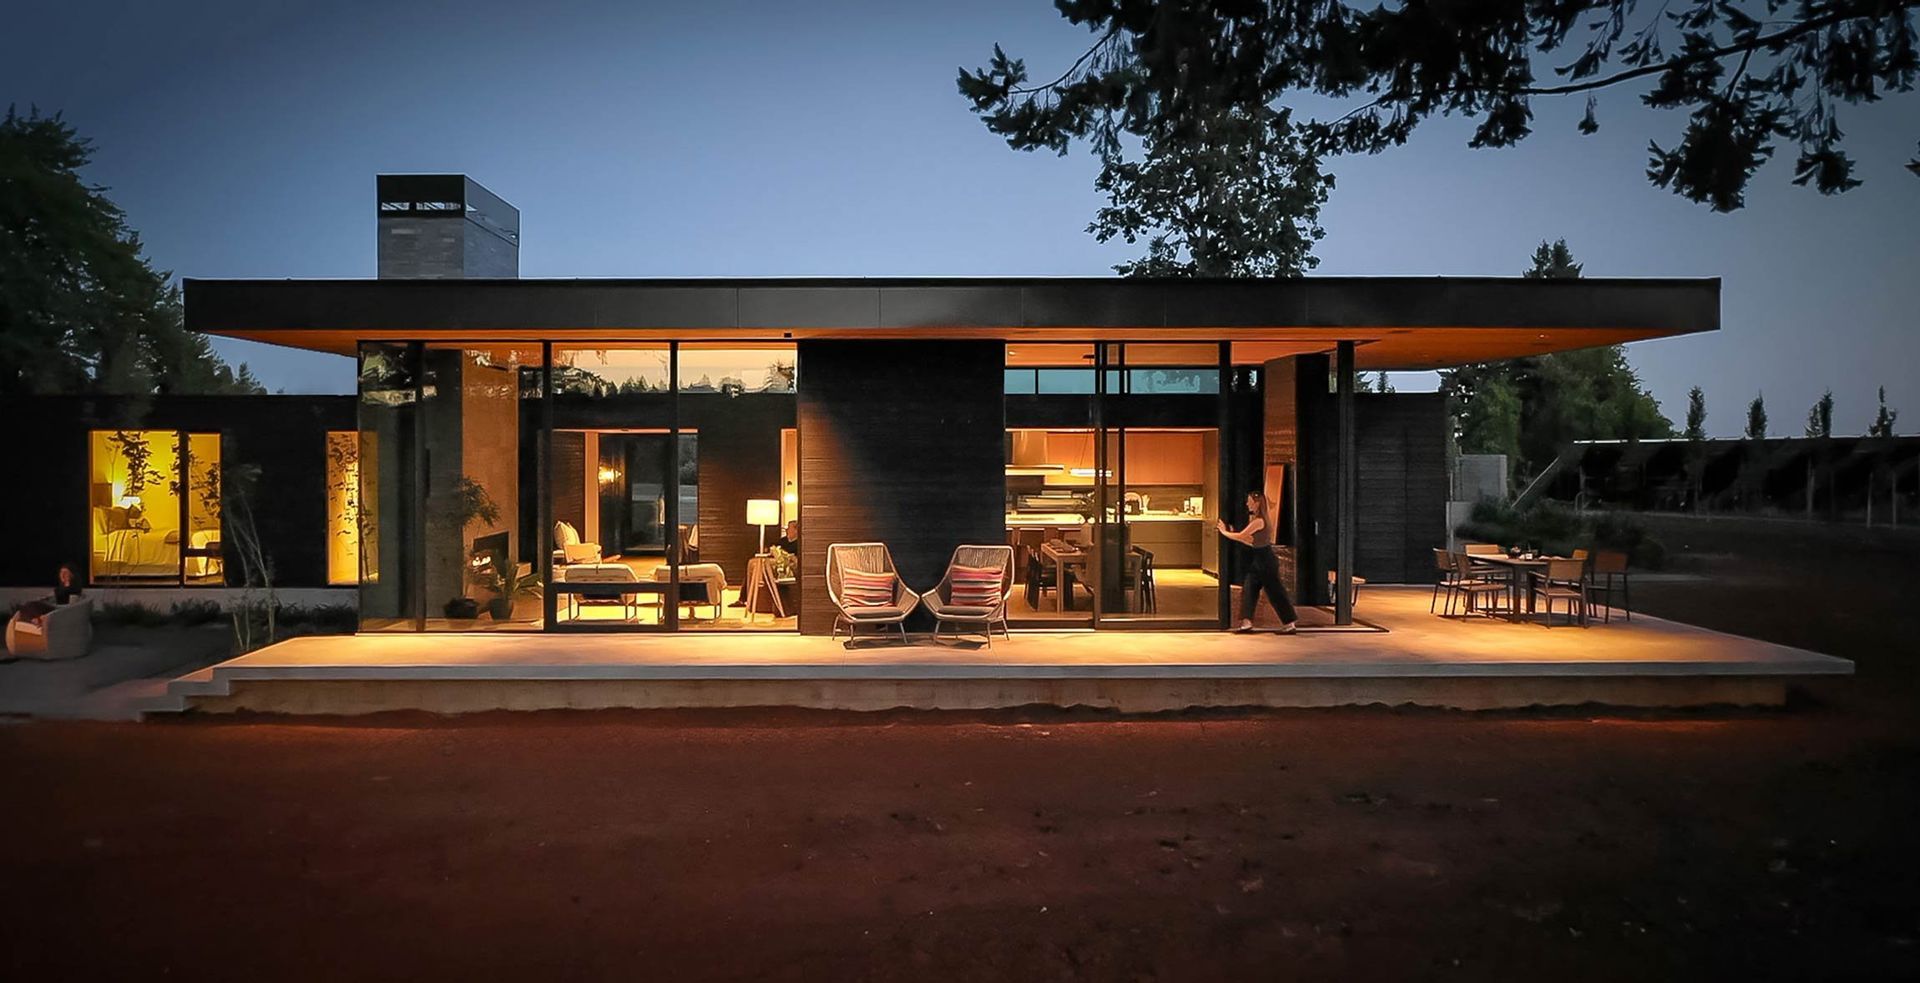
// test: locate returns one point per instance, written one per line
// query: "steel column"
(1348, 486)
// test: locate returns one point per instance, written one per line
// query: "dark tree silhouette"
(81, 310)
(1820, 416)
(1530, 408)
(1882, 425)
(1750, 73)
(1757, 418)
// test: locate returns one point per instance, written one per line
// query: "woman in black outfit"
(1263, 571)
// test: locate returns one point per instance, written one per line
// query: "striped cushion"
(975, 587)
(863, 589)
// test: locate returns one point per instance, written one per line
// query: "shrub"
(195, 613)
(322, 619)
(129, 615)
(1555, 528)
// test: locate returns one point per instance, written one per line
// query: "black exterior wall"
(1400, 511)
(45, 496)
(902, 442)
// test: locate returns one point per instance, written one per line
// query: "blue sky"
(754, 139)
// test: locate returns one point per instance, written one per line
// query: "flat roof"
(1397, 322)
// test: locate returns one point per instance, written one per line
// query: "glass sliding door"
(1051, 484)
(1160, 414)
(612, 486)
(739, 565)
(389, 383)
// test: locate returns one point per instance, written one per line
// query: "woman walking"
(1263, 571)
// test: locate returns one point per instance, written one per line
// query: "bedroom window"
(155, 507)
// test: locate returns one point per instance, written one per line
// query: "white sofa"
(65, 633)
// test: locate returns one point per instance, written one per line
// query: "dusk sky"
(754, 139)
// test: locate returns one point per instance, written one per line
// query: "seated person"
(66, 588)
(790, 539)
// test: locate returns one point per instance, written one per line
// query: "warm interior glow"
(343, 507)
(763, 512)
(138, 485)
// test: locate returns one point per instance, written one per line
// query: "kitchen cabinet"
(1164, 458)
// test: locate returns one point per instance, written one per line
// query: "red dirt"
(790, 845)
(801, 846)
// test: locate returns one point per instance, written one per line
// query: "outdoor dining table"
(1517, 568)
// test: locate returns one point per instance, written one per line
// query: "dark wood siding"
(1403, 485)
(901, 442)
(46, 504)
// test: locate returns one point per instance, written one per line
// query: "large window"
(442, 539)
(656, 453)
(155, 507)
(343, 507)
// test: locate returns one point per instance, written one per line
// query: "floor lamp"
(763, 512)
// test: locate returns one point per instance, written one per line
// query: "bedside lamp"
(763, 512)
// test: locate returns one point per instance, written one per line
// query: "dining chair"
(1470, 584)
(1444, 576)
(1564, 580)
(1610, 567)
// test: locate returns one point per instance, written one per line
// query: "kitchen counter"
(1045, 520)
(1176, 539)
(1061, 520)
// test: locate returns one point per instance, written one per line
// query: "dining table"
(1065, 557)
(1518, 569)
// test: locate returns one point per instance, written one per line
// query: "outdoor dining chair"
(1564, 580)
(1444, 576)
(1471, 584)
(1610, 568)
(973, 591)
(866, 589)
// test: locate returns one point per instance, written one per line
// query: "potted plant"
(508, 585)
(469, 504)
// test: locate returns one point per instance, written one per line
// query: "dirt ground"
(1300, 845)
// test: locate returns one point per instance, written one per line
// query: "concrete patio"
(1417, 659)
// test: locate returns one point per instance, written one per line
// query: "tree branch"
(1778, 38)
(1077, 62)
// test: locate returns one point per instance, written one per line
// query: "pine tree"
(1883, 420)
(1696, 415)
(1820, 416)
(1757, 418)
(1553, 262)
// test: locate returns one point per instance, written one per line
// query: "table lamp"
(763, 512)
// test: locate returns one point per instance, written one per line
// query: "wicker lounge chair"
(940, 599)
(873, 558)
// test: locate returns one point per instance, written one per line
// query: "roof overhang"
(1397, 322)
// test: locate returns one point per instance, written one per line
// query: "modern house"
(519, 445)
